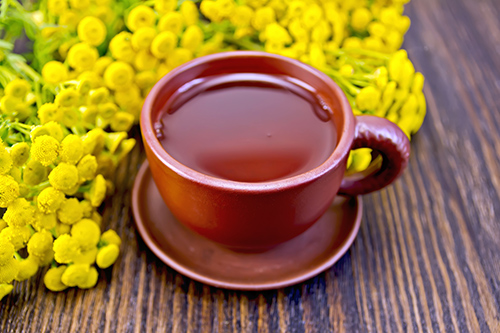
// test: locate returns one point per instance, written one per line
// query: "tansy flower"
(311, 16)
(53, 129)
(107, 256)
(91, 30)
(141, 16)
(145, 79)
(45, 150)
(97, 191)
(263, 16)
(40, 244)
(122, 121)
(3, 224)
(79, 4)
(144, 60)
(125, 98)
(9, 104)
(83, 86)
(93, 142)
(178, 57)
(142, 38)
(6, 251)
(125, 147)
(75, 275)
(5, 161)
(57, 7)
(62, 229)
(49, 200)
(242, 16)
(96, 217)
(163, 44)
(64, 177)
(165, 6)
(86, 208)
(34, 173)
(172, 22)
(71, 149)
(119, 75)
(16, 174)
(368, 98)
(86, 257)
(66, 248)
(18, 236)
(19, 213)
(121, 47)
(192, 38)
(107, 110)
(373, 43)
(9, 271)
(69, 19)
(98, 96)
(70, 211)
(67, 98)
(111, 237)
(87, 233)
(361, 159)
(346, 70)
(70, 116)
(113, 140)
(17, 88)
(91, 281)
(101, 64)
(360, 18)
(82, 56)
(225, 7)
(105, 165)
(27, 268)
(5, 289)
(321, 32)
(44, 221)
(210, 11)
(54, 72)
(52, 279)
(49, 112)
(87, 168)
(352, 43)
(189, 12)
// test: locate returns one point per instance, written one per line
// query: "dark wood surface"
(427, 257)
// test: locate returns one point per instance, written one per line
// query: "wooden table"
(427, 257)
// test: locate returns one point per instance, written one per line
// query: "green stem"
(243, 43)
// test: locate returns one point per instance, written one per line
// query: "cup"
(256, 216)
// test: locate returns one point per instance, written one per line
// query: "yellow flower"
(87, 168)
(44, 221)
(321, 32)
(165, 6)
(57, 7)
(91, 281)
(298, 31)
(121, 47)
(54, 72)
(66, 249)
(317, 57)
(105, 165)
(6, 251)
(87, 233)
(172, 22)
(82, 56)
(70, 211)
(34, 173)
(3, 224)
(346, 70)
(49, 200)
(98, 96)
(97, 191)
(368, 98)
(45, 150)
(9, 104)
(69, 19)
(274, 32)
(263, 16)
(71, 149)
(189, 12)
(242, 16)
(145, 79)
(9, 271)
(381, 77)
(141, 16)
(52, 279)
(113, 140)
(122, 121)
(49, 112)
(17, 88)
(111, 237)
(373, 43)
(67, 98)
(75, 275)
(40, 247)
(107, 255)
(406, 75)
(396, 64)
(361, 159)
(144, 61)
(352, 43)
(360, 18)
(18, 236)
(376, 29)
(64, 177)
(91, 30)
(79, 4)
(93, 142)
(101, 64)
(5, 289)
(125, 147)
(210, 11)
(27, 268)
(5, 161)
(19, 213)
(107, 110)
(192, 38)
(312, 16)
(9, 190)
(83, 87)
(51, 128)
(119, 75)
(142, 38)
(225, 7)
(70, 116)
(178, 57)
(86, 257)
(163, 44)
(62, 229)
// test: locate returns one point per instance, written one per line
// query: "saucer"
(292, 262)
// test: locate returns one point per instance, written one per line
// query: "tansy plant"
(65, 118)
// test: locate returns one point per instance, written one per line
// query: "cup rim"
(332, 162)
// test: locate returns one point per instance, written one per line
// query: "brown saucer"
(203, 260)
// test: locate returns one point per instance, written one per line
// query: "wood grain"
(427, 255)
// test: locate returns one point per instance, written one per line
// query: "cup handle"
(390, 142)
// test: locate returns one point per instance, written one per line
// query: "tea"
(247, 127)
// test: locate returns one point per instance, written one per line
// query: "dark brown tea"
(247, 127)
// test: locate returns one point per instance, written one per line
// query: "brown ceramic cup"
(254, 216)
